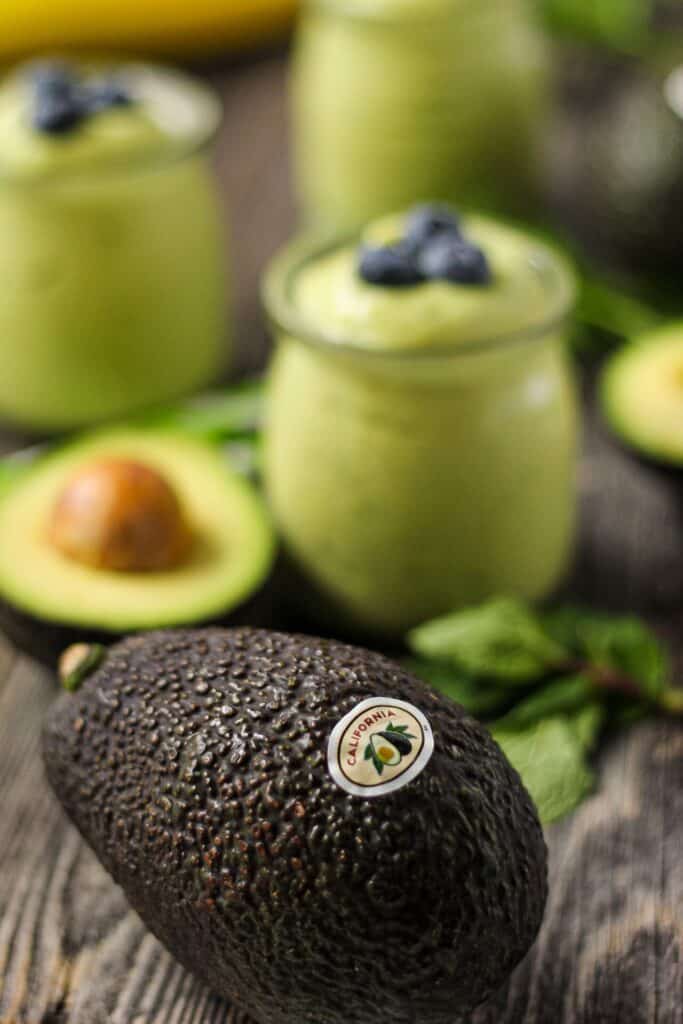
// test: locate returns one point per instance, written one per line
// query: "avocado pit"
(120, 515)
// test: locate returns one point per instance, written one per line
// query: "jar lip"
(351, 9)
(285, 318)
(203, 113)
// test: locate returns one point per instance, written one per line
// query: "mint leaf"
(587, 723)
(622, 24)
(216, 416)
(502, 640)
(622, 651)
(550, 757)
(479, 698)
(564, 695)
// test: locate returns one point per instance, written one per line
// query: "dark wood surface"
(71, 952)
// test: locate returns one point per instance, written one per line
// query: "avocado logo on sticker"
(379, 746)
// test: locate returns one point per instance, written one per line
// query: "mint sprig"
(546, 684)
(502, 640)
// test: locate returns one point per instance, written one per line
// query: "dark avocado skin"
(45, 641)
(194, 764)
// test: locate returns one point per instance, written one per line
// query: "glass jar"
(406, 484)
(112, 285)
(396, 101)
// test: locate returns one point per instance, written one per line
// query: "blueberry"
(393, 266)
(427, 222)
(454, 259)
(56, 114)
(52, 78)
(105, 94)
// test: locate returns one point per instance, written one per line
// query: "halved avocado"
(385, 750)
(398, 740)
(227, 559)
(642, 394)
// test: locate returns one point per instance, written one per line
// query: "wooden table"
(71, 952)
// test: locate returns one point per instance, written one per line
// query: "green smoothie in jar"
(393, 100)
(422, 433)
(111, 277)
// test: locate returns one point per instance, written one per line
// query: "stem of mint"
(671, 701)
(608, 680)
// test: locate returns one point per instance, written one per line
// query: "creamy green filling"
(167, 113)
(332, 298)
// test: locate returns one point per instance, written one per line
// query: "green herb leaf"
(560, 696)
(622, 24)
(550, 756)
(587, 724)
(216, 416)
(479, 698)
(621, 650)
(501, 640)
(368, 753)
(560, 671)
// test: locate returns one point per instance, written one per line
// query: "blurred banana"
(166, 27)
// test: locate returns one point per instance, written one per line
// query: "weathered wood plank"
(71, 952)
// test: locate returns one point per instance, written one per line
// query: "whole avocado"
(195, 763)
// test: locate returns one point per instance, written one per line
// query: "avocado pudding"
(110, 252)
(393, 100)
(422, 432)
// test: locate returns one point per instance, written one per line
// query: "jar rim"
(351, 9)
(285, 318)
(207, 111)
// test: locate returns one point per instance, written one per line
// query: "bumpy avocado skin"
(194, 763)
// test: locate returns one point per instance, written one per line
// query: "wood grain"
(610, 950)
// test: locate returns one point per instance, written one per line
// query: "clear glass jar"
(407, 484)
(396, 101)
(113, 284)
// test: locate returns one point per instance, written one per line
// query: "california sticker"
(379, 746)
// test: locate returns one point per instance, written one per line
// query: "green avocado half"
(641, 394)
(232, 552)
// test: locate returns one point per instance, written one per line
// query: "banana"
(164, 27)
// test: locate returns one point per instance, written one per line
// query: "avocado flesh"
(642, 394)
(198, 774)
(231, 555)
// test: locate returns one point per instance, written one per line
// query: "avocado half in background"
(123, 531)
(641, 394)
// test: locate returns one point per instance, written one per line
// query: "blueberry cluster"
(63, 100)
(433, 248)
